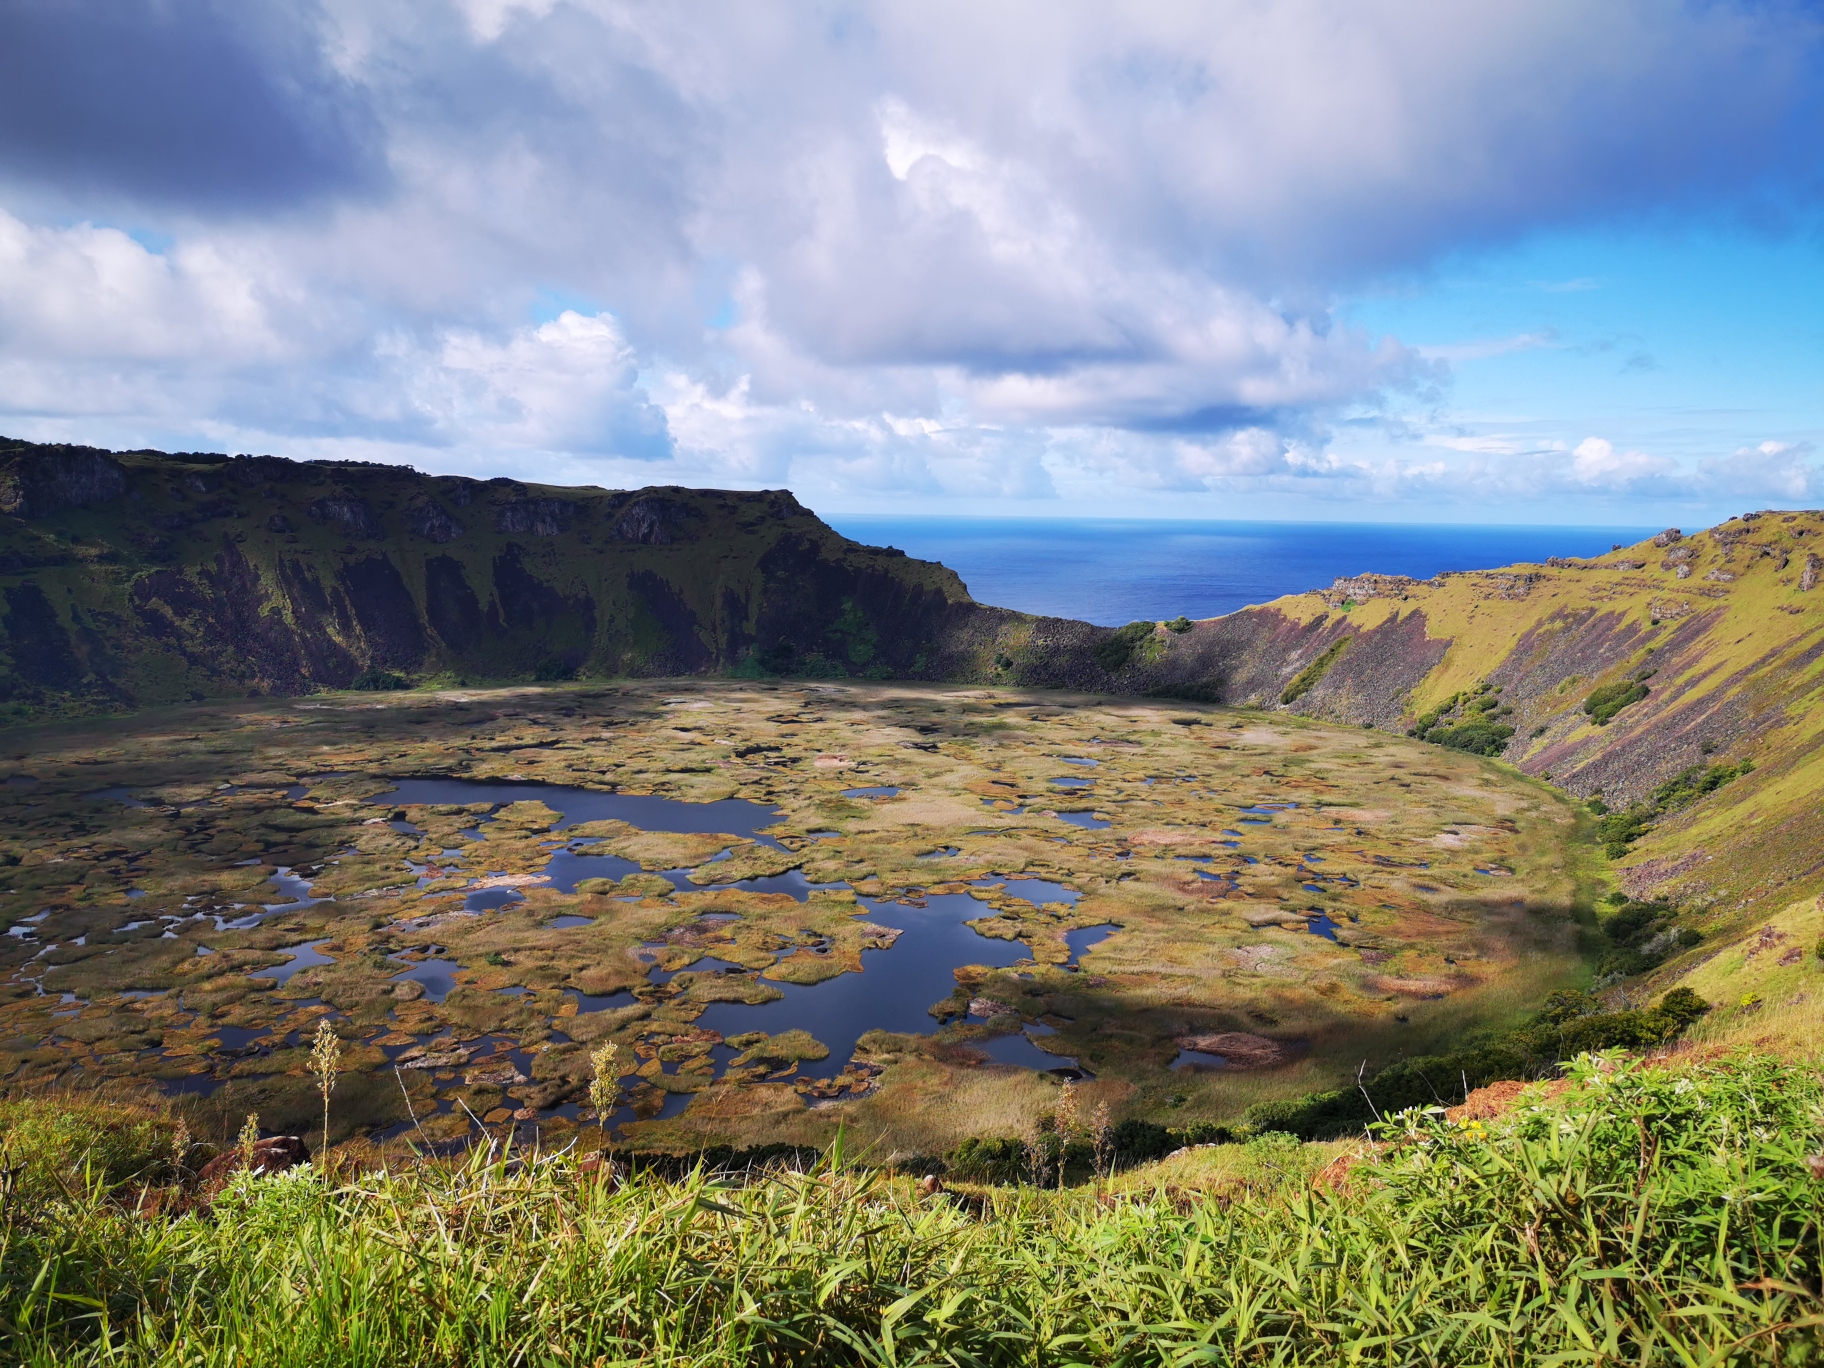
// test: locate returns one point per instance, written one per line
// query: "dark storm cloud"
(212, 107)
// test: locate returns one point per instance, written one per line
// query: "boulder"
(277, 1154)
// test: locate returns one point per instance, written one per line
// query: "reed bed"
(1647, 1215)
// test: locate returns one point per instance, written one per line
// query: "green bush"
(1308, 678)
(1602, 704)
(1619, 830)
(1479, 737)
(1180, 625)
(380, 681)
(1118, 647)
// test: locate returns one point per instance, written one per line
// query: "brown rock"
(274, 1155)
(930, 1185)
(1238, 1049)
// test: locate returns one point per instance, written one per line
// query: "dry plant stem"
(248, 1138)
(325, 1054)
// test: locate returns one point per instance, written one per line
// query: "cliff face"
(138, 577)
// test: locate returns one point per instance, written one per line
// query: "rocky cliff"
(136, 578)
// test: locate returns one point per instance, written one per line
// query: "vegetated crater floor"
(909, 909)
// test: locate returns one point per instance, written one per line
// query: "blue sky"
(1374, 260)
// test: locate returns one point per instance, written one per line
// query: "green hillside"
(138, 578)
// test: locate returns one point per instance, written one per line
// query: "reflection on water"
(895, 989)
(1019, 1049)
(1087, 820)
(437, 976)
(1035, 891)
(1085, 938)
(491, 899)
(648, 812)
(601, 1002)
(1195, 1060)
(302, 957)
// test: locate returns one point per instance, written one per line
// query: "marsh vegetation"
(909, 911)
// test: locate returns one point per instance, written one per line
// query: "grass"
(1647, 1214)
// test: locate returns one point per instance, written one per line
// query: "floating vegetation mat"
(911, 910)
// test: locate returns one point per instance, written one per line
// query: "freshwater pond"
(648, 812)
(894, 991)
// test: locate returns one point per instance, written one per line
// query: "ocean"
(1110, 572)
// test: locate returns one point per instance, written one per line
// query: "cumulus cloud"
(568, 385)
(996, 251)
(1776, 470)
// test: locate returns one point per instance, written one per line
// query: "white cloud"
(1488, 347)
(1595, 463)
(1776, 470)
(568, 385)
(89, 292)
(1002, 251)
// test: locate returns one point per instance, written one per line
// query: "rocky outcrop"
(250, 575)
(36, 482)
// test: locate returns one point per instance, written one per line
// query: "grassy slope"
(1735, 647)
(1642, 1215)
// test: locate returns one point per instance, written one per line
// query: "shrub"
(1479, 737)
(551, 669)
(1308, 678)
(1118, 647)
(1570, 1023)
(1194, 692)
(1180, 625)
(1602, 704)
(380, 681)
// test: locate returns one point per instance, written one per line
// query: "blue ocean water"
(1111, 572)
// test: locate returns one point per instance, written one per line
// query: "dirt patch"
(1497, 1099)
(1240, 1049)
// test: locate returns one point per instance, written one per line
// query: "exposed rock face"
(348, 512)
(537, 517)
(262, 575)
(1361, 588)
(36, 483)
(1668, 537)
(644, 523)
(428, 519)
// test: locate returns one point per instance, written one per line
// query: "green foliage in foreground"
(1646, 1216)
